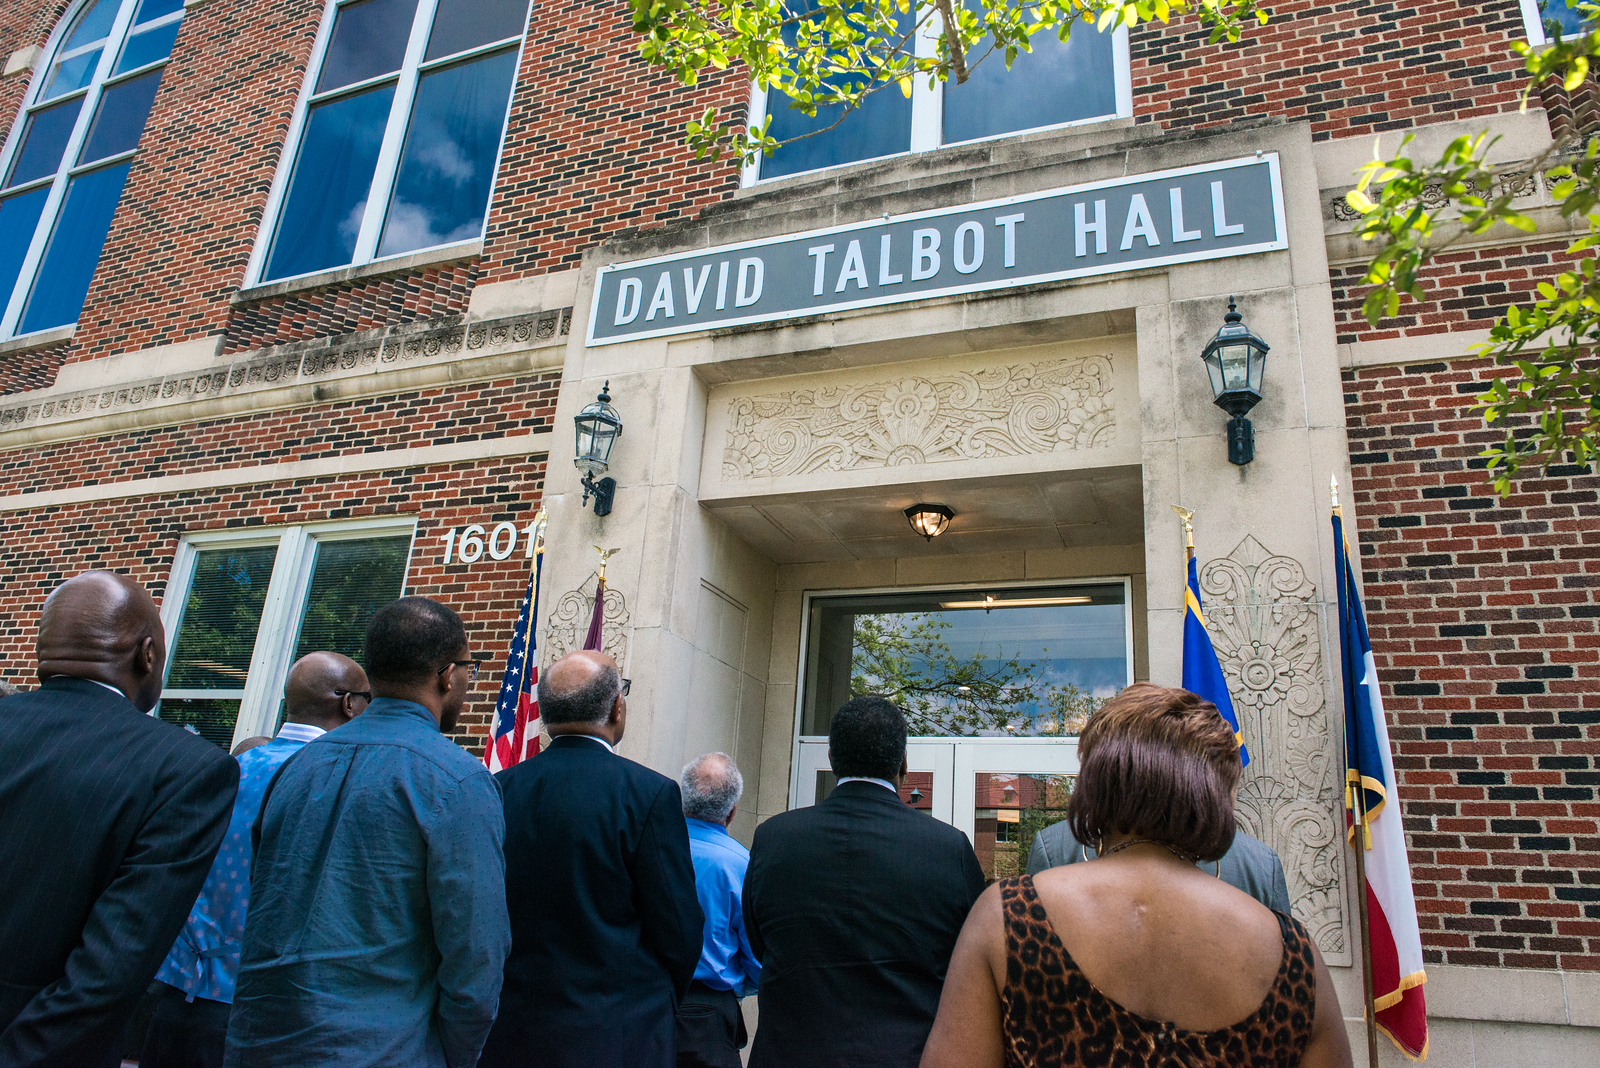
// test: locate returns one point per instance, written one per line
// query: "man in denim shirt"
(190, 1025)
(377, 932)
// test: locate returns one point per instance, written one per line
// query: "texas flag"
(1397, 972)
(515, 734)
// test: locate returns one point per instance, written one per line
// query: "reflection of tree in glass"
(220, 619)
(905, 657)
(353, 579)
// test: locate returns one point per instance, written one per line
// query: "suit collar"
(869, 791)
(86, 687)
(579, 741)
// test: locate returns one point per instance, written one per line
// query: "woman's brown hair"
(1157, 763)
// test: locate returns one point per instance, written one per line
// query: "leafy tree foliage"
(905, 657)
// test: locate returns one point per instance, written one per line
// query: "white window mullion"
(394, 135)
(1122, 69)
(69, 157)
(927, 102)
(257, 709)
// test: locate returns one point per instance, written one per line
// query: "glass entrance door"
(996, 684)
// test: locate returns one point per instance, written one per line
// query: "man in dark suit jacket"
(853, 907)
(605, 924)
(109, 820)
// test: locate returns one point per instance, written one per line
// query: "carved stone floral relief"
(568, 624)
(1018, 410)
(1265, 622)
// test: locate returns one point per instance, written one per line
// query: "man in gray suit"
(1249, 865)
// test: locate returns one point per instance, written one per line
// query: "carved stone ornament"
(306, 361)
(568, 624)
(1020, 410)
(1266, 624)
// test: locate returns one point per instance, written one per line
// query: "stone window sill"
(44, 339)
(432, 257)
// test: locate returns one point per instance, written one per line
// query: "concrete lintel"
(256, 474)
(22, 60)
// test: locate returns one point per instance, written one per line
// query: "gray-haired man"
(710, 1027)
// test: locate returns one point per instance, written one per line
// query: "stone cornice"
(374, 362)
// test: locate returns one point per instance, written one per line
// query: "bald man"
(605, 925)
(190, 1025)
(109, 820)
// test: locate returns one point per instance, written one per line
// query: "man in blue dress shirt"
(711, 1028)
(377, 932)
(190, 1025)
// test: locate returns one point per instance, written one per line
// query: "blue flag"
(1201, 672)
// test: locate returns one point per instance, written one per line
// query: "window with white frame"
(1546, 20)
(396, 140)
(242, 606)
(1056, 85)
(69, 153)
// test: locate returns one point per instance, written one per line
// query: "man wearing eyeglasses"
(600, 882)
(190, 1025)
(377, 930)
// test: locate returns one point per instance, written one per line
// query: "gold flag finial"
(1187, 516)
(540, 520)
(605, 554)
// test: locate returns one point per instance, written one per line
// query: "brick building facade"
(195, 394)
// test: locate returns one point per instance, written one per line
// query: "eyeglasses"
(625, 684)
(472, 667)
(365, 695)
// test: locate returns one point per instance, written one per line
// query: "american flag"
(516, 716)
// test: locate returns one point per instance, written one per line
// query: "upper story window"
(1084, 80)
(395, 143)
(1548, 19)
(69, 153)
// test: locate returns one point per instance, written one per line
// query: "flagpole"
(539, 521)
(1358, 841)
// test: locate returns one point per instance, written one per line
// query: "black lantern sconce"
(1235, 360)
(929, 520)
(599, 426)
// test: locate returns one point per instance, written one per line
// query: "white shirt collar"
(596, 738)
(885, 783)
(108, 686)
(300, 732)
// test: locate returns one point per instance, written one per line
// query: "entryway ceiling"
(1009, 514)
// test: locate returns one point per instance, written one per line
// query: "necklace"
(1120, 846)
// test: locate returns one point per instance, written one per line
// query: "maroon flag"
(593, 639)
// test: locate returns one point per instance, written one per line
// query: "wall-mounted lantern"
(599, 426)
(929, 520)
(1235, 360)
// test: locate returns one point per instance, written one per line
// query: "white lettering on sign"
(1133, 222)
(468, 544)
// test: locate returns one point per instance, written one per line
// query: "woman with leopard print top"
(1139, 958)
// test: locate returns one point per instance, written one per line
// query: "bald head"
(105, 627)
(325, 690)
(582, 694)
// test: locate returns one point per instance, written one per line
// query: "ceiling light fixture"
(991, 601)
(929, 520)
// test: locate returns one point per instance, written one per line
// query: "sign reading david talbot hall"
(1233, 208)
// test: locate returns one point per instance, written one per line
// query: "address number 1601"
(500, 543)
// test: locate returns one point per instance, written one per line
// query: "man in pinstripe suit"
(109, 820)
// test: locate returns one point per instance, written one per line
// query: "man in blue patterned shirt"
(190, 1026)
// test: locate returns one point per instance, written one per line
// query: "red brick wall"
(140, 536)
(352, 306)
(1347, 69)
(195, 195)
(1484, 626)
(1465, 290)
(476, 412)
(595, 143)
